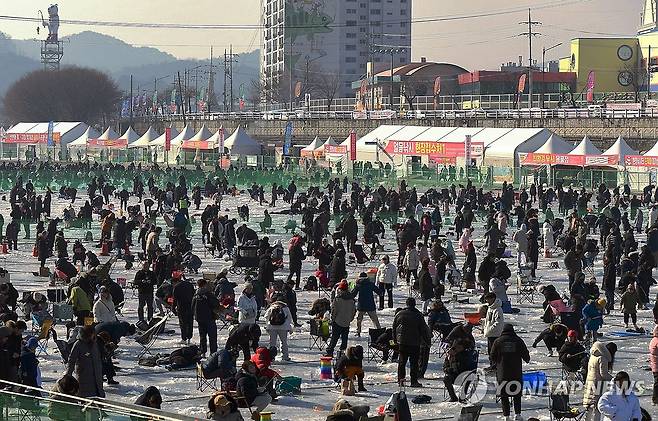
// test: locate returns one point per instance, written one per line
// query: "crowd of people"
(148, 219)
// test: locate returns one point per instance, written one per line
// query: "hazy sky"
(473, 43)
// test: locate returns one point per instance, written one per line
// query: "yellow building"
(616, 63)
(648, 38)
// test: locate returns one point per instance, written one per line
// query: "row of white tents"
(238, 143)
(502, 147)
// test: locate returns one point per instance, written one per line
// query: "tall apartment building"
(337, 38)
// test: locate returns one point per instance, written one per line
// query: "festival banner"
(31, 138)
(450, 149)
(467, 150)
(197, 144)
(108, 143)
(443, 160)
(522, 82)
(591, 83)
(337, 150)
(154, 101)
(352, 145)
(51, 129)
(287, 142)
(564, 159)
(221, 140)
(168, 139)
(641, 161)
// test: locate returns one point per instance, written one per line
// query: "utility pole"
(649, 72)
(229, 58)
(131, 100)
(211, 84)
(530, 34)
(180, 88)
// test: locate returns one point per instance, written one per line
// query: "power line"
(434, 19)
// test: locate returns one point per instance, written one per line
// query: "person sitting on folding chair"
(386, 344)
(250, 394)
(350, 365)
(438, 319)
(573, 354)
(221, 365)
(263, 358)
(459, 359)
(553, 337)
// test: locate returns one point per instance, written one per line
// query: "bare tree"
(70, 94)
(412, 88)
(325, 85)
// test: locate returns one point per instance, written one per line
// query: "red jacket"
(263, 360)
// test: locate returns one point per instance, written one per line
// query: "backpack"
(277, 316)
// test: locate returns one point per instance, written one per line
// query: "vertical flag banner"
(51, 126)
(172, 104)
(591, 83)
(352, 145)
(522, 81)
(168, 139)
(155, 102)
(125, 108)
(287, 143)
(221, 140)
(467, 151)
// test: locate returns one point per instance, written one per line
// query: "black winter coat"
(183, 292)
(508, 353)
(410, 328)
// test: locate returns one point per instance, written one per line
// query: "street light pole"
(543, 71)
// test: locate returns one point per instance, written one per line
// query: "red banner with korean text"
(337, 150)
(448, 149)
(443, 160)
(353, 146)
(107, 143)
(564, 159)
(196, 144)
(168, 139)
(30, 138)
(641, 161)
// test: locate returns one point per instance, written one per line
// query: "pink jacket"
(653, 351)
(464, 240)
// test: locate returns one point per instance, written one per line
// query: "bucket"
(326, 370)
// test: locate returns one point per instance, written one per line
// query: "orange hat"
(572, 334)
(342, 284)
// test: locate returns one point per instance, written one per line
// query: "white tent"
(90, 133)
(240, 143)
(620, 149)
(555, 145)
(504, 151)
(160, 141)
(585, 147)
(145, 139)
(201, 135)
(108, 134)
(130, 136)
(653, 151)
(186, 134)
(315, 144)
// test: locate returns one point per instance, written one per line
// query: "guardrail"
(534, 113)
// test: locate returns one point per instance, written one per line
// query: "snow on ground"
(179, 389)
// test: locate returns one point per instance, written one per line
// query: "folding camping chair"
(202, 383)
(317, 338)
(42, 333)
(559, 408)
(148, 338)
(526, 285)
(439, 344)
(374, 350)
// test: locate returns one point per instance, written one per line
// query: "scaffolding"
(51, 54)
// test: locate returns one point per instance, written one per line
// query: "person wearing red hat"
(572, 354)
